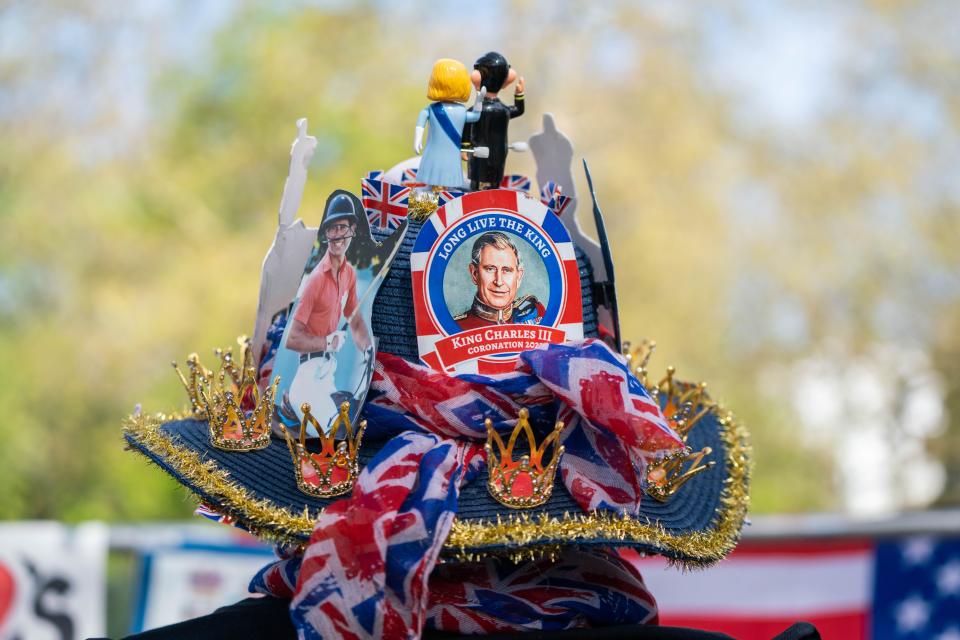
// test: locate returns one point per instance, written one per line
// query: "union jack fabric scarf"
(368, 569)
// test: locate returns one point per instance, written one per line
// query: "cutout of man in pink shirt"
(331, 292)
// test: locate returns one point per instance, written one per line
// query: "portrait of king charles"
(496, 270)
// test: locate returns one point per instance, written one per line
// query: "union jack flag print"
(206, 511)
(549, 191)
(409, 178)
(596, 588)
(443, 197)
(551, 196)
(516, 183)
(385, 203)
(270, 347)
(369, 567)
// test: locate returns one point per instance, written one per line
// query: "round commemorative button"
(494, 273)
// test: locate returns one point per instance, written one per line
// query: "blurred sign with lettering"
(52, 580)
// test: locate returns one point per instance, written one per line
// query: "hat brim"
(696, 526)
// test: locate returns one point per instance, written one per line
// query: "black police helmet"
(339, 209)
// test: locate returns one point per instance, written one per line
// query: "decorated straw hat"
(661, 467)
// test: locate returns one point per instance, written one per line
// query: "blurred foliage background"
(779, 182)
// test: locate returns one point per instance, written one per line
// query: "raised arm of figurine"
(517, 108)
(478, 103)
(466, 140)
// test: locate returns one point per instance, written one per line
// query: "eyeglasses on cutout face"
(338, 231)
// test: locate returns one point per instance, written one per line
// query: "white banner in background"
(179, 583)
(52, 580)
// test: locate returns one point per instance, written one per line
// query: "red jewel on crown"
(684, 405)
(333, 470)
(528, 481)
(237, 413)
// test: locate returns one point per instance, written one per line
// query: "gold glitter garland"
(421, 205)
(696, 549)
(261, 517)
(521, 536)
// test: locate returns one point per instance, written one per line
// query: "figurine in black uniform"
(492, 71)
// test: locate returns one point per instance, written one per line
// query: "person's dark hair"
(493, 239)
(493, 69)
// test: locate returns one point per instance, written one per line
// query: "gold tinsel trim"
(695, 550)
(261, 517)
(421, 205)
(523, 536)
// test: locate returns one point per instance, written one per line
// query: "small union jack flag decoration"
(550, 195)
(516, 183)
(549, 191)
(206, 511)
(409, 178)
(443, 197)
(376, 174)
(560, 204)
(385, 203)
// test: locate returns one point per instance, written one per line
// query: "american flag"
(366, 568)
(902, 588)
(516, 183)
(385, 203)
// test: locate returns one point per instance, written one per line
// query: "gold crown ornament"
(683, 404)
(527, 482)
(334, 469)
(230, 400)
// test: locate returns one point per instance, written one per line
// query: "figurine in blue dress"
(449, 88)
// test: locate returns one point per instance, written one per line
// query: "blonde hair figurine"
(449, 88)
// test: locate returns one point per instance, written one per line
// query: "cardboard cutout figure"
(284, 261)
(327, 350)
(553, 153)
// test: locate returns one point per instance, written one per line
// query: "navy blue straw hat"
(695, 526)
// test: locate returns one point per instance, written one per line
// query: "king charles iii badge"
(494, 273)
